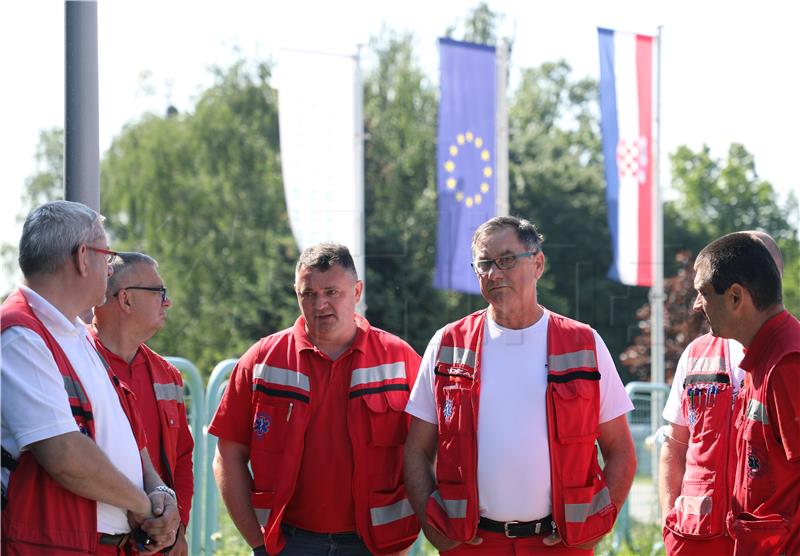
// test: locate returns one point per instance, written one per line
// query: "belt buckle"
(123, 540)
(506, 526)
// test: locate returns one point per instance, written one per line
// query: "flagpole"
(657, 290)
(358, 149)
(501, 128)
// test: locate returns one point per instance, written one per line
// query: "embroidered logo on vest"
(448, 411)
(261, 424)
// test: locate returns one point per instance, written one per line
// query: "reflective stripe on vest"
(706, 364)
(453, 355)
(283, 377)
(387, 514)
(380, 373)
(168, 391)
(575, 359)
(756, 411)
(456, 509)
(74, 389)
(262, 514)
(694, 505)
(578, 513)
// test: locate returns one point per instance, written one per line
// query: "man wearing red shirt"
(135, 309)
(739, 291)
(317, 411)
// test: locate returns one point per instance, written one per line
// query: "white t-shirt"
(672, 409)
(513, 450)
(35, 405)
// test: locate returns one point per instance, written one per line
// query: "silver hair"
(527, 233)
(52, 232)
(122, 264)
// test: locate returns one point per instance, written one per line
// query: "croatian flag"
(626, 108)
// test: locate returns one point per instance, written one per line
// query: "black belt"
(113, 540)
(514, 529)
(336, 537)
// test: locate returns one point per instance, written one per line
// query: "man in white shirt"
(521, 475)
(74, 471)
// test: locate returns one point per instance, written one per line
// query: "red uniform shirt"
(137, 377)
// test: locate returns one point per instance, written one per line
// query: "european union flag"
(465, 157)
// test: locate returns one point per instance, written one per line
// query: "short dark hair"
(122, 264)
(740, 258)
(526, 231)
(324, 255)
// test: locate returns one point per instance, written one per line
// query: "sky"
(726, 66)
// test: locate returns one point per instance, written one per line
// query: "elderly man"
(135, 309)
(317, 411)
(76, 472)
(739, 292)
(695, 468)
(520, 476)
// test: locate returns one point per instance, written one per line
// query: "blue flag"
(465, 158)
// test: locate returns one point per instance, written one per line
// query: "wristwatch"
(165, 488)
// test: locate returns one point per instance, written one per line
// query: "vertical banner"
(321, 125)
(466, 158)
(626, 108)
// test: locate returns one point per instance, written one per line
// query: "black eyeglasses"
(161, 289)
(506, 262)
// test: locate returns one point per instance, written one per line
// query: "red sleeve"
(784, 404)
(183, 474)
(233, 418)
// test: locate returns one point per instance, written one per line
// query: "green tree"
(202, 193)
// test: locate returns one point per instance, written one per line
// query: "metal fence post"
(193, 382)
(216, 386)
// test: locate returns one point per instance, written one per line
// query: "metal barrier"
(194, 397)
(648, 402)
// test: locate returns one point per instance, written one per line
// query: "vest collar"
(762, 341)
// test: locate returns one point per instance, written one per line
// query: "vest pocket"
(695, 513)
(270, 423)
(758, 535)
(577, 405)
(262, 504)
(394, 524)
(588, 512)
(388, 423)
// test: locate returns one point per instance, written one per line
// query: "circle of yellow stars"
(462, 140)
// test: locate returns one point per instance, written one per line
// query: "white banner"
(321, 133)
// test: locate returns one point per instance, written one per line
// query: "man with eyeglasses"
(520, 476)
(316, 411)
(75, 470)
(134, 310)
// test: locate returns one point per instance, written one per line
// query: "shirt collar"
(303, 341)
(50, 316)
(762, 340)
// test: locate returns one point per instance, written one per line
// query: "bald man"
(695, 472)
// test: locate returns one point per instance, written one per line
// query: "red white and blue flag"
(626, 108)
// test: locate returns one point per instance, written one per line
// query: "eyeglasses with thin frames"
(482, 267)
(107, 252)
(161, 289)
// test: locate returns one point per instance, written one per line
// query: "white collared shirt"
(35, 405)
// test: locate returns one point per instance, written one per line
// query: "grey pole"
(81, 119)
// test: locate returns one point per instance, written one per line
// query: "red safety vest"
(760, 521)
(40, 516)
(582, 507)
(168, 391)
(707, 406)
(380, 385)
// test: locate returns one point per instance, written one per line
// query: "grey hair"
(122, 264)
(324, 255)
(52, 232)
(527, 233)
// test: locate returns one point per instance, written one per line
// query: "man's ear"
(737, 295)
(80, 259)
